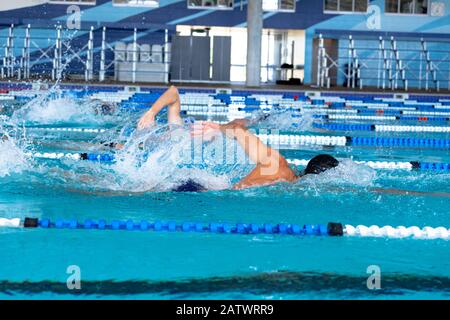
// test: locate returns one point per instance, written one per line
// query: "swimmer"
(271, 166)
(104, 108)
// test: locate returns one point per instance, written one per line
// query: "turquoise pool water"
(166, 265)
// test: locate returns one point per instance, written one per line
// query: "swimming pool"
(405, 142)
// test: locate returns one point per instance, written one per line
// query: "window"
(345, 5)
(360, 6)
(268, 5)
(406, 6)
(80, 2)
(136, 3)
(210, 4)
(331, 5)
(278, 5)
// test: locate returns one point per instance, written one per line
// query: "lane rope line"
(331, 229)
(392, 165)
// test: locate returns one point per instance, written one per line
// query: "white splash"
(62, 110)
(12, 158)
(154, 160)
(346, 173)
(296, 121)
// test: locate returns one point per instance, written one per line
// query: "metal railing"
(97, 53)
(90, 54)
(384, 63)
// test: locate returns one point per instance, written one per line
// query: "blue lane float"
(400, 142)
(332, 229)
(344, 127)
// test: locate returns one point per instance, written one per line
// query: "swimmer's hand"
(207, 130)
(146, 121)
(119, 146)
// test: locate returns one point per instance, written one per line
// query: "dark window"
(73, 1)
(360, 5)
(331, 5)
(219, 4)
(346, 5)
(406, 6)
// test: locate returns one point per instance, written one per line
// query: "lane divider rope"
(382, 112)
(108, 158)
(326, 126)
(61, 129)
(406, 165)
(304, 139)
(381, 118)
(387, 128)
(379, 128)
(354, 141)
(331, 229)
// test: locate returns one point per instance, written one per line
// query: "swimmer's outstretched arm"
(170, 98)
(256, 150)
(271, 166)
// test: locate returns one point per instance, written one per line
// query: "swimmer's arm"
(256, 150)
(71, 175)
(271, 166)
(243, 123)
(170, 98)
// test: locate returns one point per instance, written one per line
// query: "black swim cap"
(189, 186)
(321, 163)
(107, 109)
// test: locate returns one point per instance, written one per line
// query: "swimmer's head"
(189, 186)
(320, 163)
(107, 109)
